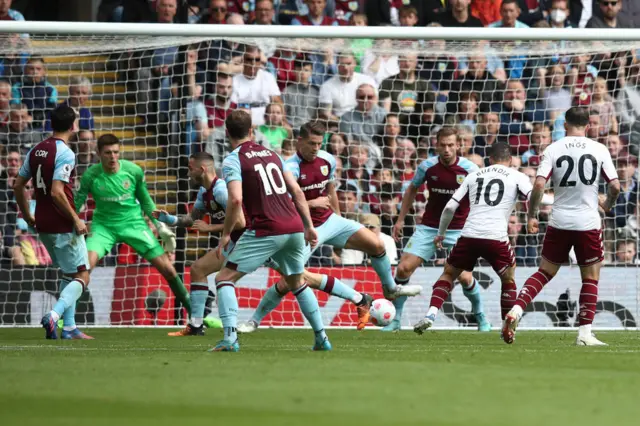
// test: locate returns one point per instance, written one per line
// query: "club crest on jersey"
(213, 205)
(126, 184)
(459, 179)
(324, 170)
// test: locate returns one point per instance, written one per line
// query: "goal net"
(382, 102)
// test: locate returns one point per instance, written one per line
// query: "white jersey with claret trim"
(575, 165)
(493, 192)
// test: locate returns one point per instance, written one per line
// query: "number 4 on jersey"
(39, 181)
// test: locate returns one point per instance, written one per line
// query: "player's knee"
(466, 279)
(197, 273)
(404, 270)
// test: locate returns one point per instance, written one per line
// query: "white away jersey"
(492, 193)
(574, 165)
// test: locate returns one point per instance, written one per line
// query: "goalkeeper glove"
(167, 218)
(167, 236)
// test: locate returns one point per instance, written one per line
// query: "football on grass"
(382, 312)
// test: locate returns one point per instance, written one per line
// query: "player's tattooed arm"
(536, 197)
(613, 191)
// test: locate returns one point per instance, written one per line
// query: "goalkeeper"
(121, 196)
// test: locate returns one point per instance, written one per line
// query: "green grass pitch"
(141, 377)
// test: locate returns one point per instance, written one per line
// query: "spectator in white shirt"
(338, 94)
(255, 88)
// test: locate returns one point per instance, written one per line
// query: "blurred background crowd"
(382, 102)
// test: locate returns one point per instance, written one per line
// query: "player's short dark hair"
(577, 116)
(446, 131)
(500, 152)
(107, 140)
(238, 124)
(62, 118)
(202, 156)
(315, 128)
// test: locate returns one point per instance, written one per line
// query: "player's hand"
(224, 241)
(311, 237)
(165, 217)
(321, 203)
(398, 230)
(201, 226)
(438, 240)
(31, 221)
(167, 236)
(79, 226)
(532, 226)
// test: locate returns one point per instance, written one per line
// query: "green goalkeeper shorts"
(137, 234)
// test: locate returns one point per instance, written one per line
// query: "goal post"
(383, 94)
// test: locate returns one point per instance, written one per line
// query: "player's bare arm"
(535, 200)
(21, 199)
(302, 207)
(407, 202)
(60, 199)
(613, 190)
(447, 215)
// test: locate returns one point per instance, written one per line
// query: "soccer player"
(491, 192)
(270, 198)
(211, 199)
(575, 164)
(52, 164)
(314, 170)
(121, 196)
(442, 175)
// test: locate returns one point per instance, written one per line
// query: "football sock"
(268, 303)
(508, 297)
(198, 296)
(336, 287)
(69, 315)
(441, 290)
(382, 266)
(588, 300)
(180, 291)
(399, 301)
(228, 309)
(68, 297)
(311, 310)
(475, 297)
(532, 286)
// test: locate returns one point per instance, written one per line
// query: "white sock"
(518, 311)
(432, 311)
(357, 298)
(196, 322)
(69, 327)
(584, 330)
(55, 316)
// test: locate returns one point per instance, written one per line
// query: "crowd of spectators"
(382, 102)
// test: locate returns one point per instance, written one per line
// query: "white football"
(382, 312)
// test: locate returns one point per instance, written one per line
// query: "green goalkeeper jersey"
(120, 197)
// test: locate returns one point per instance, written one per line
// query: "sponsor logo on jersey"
(434, 177)
(443, 191)
(324, 170)
(319, 186)
(126, 184)
(460, 179)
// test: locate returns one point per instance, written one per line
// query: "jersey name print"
(575, 165)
